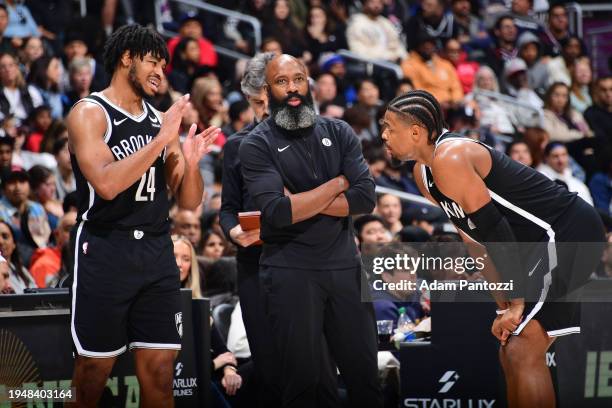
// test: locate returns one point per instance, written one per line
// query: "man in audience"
(240, 115)
(558, 27)
(372, 35)
(470, 29)
(599, 116)
(433, 74)
(430, 20)
(522, 12)
(529, 51)
(517, 83)
(187, 224)
(556, 167)
(389, 207)
(505, 44)
(331, 110)
(75, 46)
(372, 229)
(558, 68)
(190, 26)
(47, 262)
(519, 151)
(7, 144)
(27, 218)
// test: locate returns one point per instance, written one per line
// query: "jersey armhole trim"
(424, 171)
(109, 125)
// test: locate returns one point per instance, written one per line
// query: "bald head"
(282, 63)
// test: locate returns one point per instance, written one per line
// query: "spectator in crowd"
(81, 78)
(470, 30)
(46, 263)
(213, 245)
(240, 115)
(389, 207)
(358, 118)
(372, 229)
(522, 12)
(425, 218)
(75, 46)
(404, 86)
(580, 95)
(6, 45)
(517, 83)
(558, 27)
(5, 275)
(189, 272)
(321, 34)
(601, 186)
(45, 74)
(331, 110)
(432, 21)
(387, 302)
(561, 121)
(506, 34)
(493, 114)
(326, 90)
(519, 151)
(556, 166)
(7, 144)
(466, 70)
(27, 218)
(368, 97)
(40, 121)
(57, 130)
(52, 17)
(271, 44)
(371, 35)
(190, 26)
(529, 51)
(31, 50)
(64, 176)
(17, 98)
(19, 277)
(375, 157)
(429, 72)
(558, 67)
(43, 185)
(207, 99)
(185, 223)
(185, 62)
(21, 23)
(334, 64)
(599, 116)
(280, 25)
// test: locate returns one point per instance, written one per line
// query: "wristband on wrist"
(501, 311)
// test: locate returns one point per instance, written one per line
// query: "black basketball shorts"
(561, 267)
(125, 293)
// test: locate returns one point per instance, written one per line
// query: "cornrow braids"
(420, 107)
(136, 39)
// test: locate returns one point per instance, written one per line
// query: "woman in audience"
(213, 245)
(493, 113)
(16, 97)
(321, 35)
(19, 277)
(580, 97)
(43, 185)
(31, 50)
(189, 273)
(185, 62)
(279, 25)
(40, 121)
(80, 76)
(207, 99)
(45, 74)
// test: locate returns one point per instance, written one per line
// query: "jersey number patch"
(148, 180)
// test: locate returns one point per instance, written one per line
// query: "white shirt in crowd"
(237, 341)
(573, 184)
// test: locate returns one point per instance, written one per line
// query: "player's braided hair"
(136, 39)
(422, 108)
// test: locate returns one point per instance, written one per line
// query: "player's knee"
(518, 352)
(160, 371)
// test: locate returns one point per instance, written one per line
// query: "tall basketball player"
(125, 155)
(492, 199)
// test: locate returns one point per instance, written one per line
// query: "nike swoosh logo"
(153, 119)
(118, 122)
(430, 183)
(534, 268)
(284, 148)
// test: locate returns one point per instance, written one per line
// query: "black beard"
(135, 85)
(293, 117)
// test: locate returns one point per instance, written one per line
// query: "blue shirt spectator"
(21, 23)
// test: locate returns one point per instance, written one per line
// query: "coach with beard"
(307, 175)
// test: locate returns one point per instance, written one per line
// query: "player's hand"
(510, 320)
(499, 333)
(196, 146)
(244, 238)
(224, 359)
(231, 381)
(172, 119)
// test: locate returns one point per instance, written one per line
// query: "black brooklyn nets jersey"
(144, 205)
(530, 201)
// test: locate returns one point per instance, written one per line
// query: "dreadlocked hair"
(136, 39)
(422, 108)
